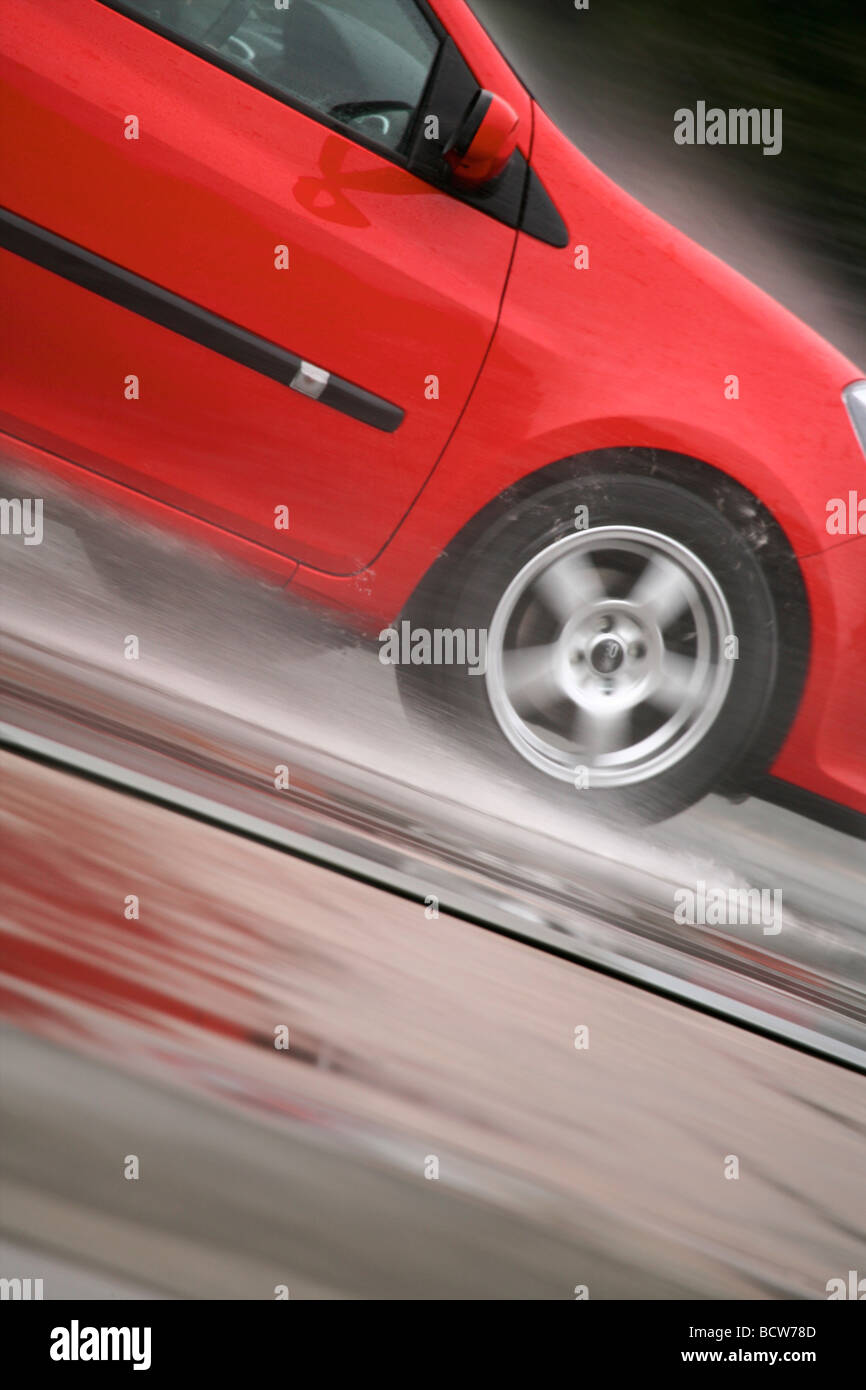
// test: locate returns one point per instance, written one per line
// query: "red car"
(319, 279)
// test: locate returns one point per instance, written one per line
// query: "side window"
(363, 63)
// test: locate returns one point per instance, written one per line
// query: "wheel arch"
(435, 594)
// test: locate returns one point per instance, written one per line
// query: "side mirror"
(484, 141)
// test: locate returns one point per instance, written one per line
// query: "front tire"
(631, 664)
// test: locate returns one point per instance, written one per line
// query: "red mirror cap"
(492, 145)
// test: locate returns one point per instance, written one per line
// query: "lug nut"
(605, 624)
(637, 650)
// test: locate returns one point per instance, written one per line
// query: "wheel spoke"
(676, 682)
(663, 589)
(568, 585)
(530, 677)
(599, 733)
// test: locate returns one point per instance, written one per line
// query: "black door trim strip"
(149, 300)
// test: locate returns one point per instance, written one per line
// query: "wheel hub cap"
(606, 655)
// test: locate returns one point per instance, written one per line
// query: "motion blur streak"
(409, 1038)
(236, 681)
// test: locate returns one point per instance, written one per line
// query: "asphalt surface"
(410, 1039)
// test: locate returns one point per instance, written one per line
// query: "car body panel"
(825, 751)
(538, 355)
(220, 177)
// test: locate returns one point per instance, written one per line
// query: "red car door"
(225, 287)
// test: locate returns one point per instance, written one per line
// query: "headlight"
(854, 397)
